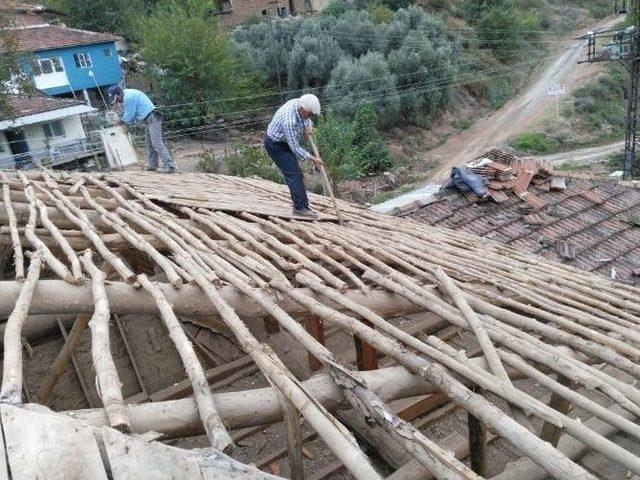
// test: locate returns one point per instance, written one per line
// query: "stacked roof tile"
(587, 222)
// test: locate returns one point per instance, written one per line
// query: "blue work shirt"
(136, 106)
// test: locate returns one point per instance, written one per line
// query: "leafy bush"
(198, 68)
(353, 149)
(254, 161)
(365, 79)
(208, 162)
(381, 14)
(311, 61)
(534, 142)
(503, 27)
(424, 73)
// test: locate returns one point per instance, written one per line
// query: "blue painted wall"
(106, 70)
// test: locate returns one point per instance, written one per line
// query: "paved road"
(517, 116)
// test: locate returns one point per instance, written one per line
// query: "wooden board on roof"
(41, 445)
(132, 458)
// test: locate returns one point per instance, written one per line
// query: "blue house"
(69, 62)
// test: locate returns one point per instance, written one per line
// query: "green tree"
(335, 8)
(113, 16)
(192, 60)
(424, 74)
(351, 149)
(311, 61)
(365, 80)
(13, 78)
(503, 27)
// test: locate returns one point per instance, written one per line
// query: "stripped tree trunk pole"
(541, 452)
(18, 258)
(108, 382)
(11, 391)
(488, 349)
(213, 425)
(291, 419)
(30, 232)
(59, 366)
(77, 216)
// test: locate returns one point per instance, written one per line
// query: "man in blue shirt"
(138, 108)
(283, 146)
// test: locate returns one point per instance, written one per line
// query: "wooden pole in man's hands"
(326, 182)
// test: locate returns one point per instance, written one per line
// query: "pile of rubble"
(506, 173)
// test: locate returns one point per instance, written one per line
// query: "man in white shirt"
(283, 146)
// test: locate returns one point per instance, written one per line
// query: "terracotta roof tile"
(23, 106)
(592, 215)
(47, 37)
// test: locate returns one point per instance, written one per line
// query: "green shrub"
(353, 149)
(254, 161)
(534, 142)
(381, 14)
(208, 162)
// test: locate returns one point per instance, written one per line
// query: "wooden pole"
(478, 447)
(11, 391)
(327, 182)
(213, 425)
(366, 355)
(315, 326)
(18, 258)
(59, 366)
(291, 419)
(76, 366)
(109, 385)
(550, 433)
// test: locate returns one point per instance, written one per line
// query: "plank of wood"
(76, 366)
(210, 359)
(366, 355)
(4, 472)
(315, 326)
(132, 359)
(291, 419)
(42, 445)
(216, 374)
(426, 405)
(153, 338)
(132, 459)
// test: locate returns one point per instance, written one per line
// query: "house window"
(107, 52)
(282, 12)
(47, 66)
(83, 60)
(53, 129)
(2, 149)
(264, 12)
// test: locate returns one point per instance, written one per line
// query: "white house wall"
(6, 153)
(73, 131)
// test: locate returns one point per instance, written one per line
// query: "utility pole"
(625, 47)
(632, 107)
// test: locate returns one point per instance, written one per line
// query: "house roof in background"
(590, 223)
(38, 103)
(38, 108)
(47, 37)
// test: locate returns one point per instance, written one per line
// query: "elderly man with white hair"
(283, 146)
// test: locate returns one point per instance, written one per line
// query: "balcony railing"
(55, 155)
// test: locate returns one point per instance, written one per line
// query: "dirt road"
(585, 156)
(520, 113)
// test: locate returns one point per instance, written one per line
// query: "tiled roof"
(47, 37)
(23, 105)
(593, 224)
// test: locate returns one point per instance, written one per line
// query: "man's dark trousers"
(286, 161)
